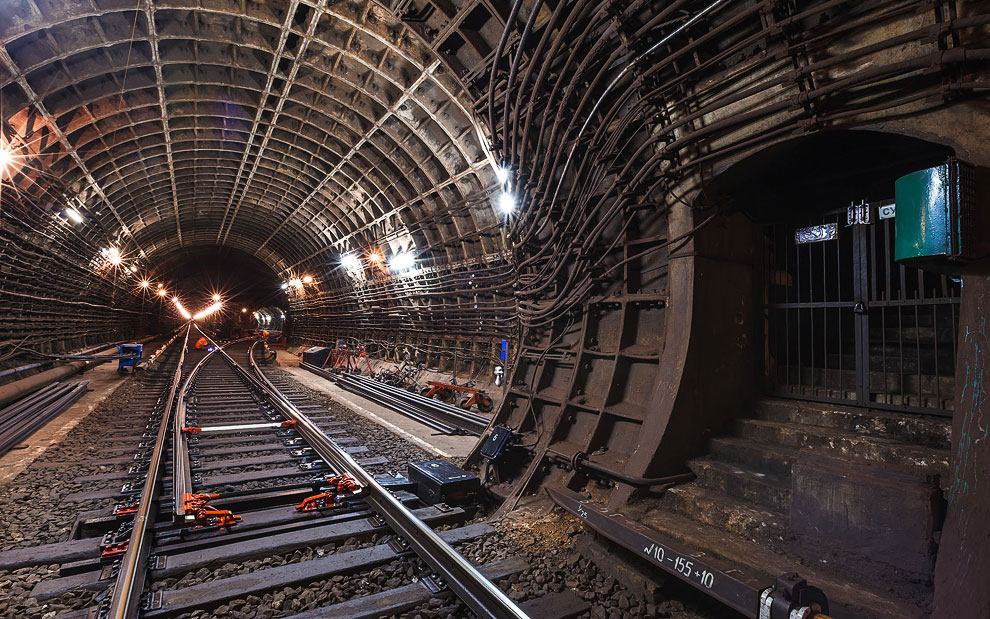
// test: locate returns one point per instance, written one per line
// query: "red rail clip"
(339, 484)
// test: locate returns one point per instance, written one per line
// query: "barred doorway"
(846, 323)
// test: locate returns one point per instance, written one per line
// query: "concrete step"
(850, 597)
(915, 429)
(764, 490)
(727, 513)
(875, 448)
(750, 454)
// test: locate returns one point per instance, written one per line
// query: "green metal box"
(937, 221)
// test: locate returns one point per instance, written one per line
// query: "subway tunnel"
(692, 293)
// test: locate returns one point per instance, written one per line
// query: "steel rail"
(482, 596)
(439, 426)
(181, 469)
(127, 589)
(478, 593)
(441, 417)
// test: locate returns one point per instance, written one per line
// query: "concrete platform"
(440, 445)
(103, 381)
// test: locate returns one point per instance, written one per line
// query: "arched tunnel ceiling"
(288, 130)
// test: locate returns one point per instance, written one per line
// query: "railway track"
(232, 465)
(441, 417)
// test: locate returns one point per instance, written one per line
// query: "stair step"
(761, 489)
(874, 448)
(914, 429)
(727, 513)
(848, 597)
(777, 460)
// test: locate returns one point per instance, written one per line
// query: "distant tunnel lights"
(208, 311)
(182, 311)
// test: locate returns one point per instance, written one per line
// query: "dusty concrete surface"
(438, 444)
(103, 381)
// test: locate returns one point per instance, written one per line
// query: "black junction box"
(439, 481)
(496, 442)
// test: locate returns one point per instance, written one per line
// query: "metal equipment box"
(496, 442)
(439, 481)
(316, 355)
(129, 349)
(937, 222)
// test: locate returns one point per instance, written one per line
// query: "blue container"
(129, 349)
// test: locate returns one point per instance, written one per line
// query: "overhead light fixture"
(162, 292)
(402, 262)
(284, 285)
(376, 256)
(160, 285)
(502, 174)
(307, 279)
(216, 297)
(350, 262)
(7, 158)
(133, 269)
(296, 283)
(74, 215)
(506, 202)
(244, 310)
(112, 254)
(145, 283)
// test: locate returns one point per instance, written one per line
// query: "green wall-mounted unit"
(938, 222)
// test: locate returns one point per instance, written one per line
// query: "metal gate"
(845, 323)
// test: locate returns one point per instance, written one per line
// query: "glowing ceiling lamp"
(307, 279)
(244, 310)
(402, 262)
(284, 285)
(216, 297)
(351, 263)
(112, 254)
(376, 256)
(162, 292)
(506, 203)
(133, 269)
(296, 283)
(73, 214)
(145, 283)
